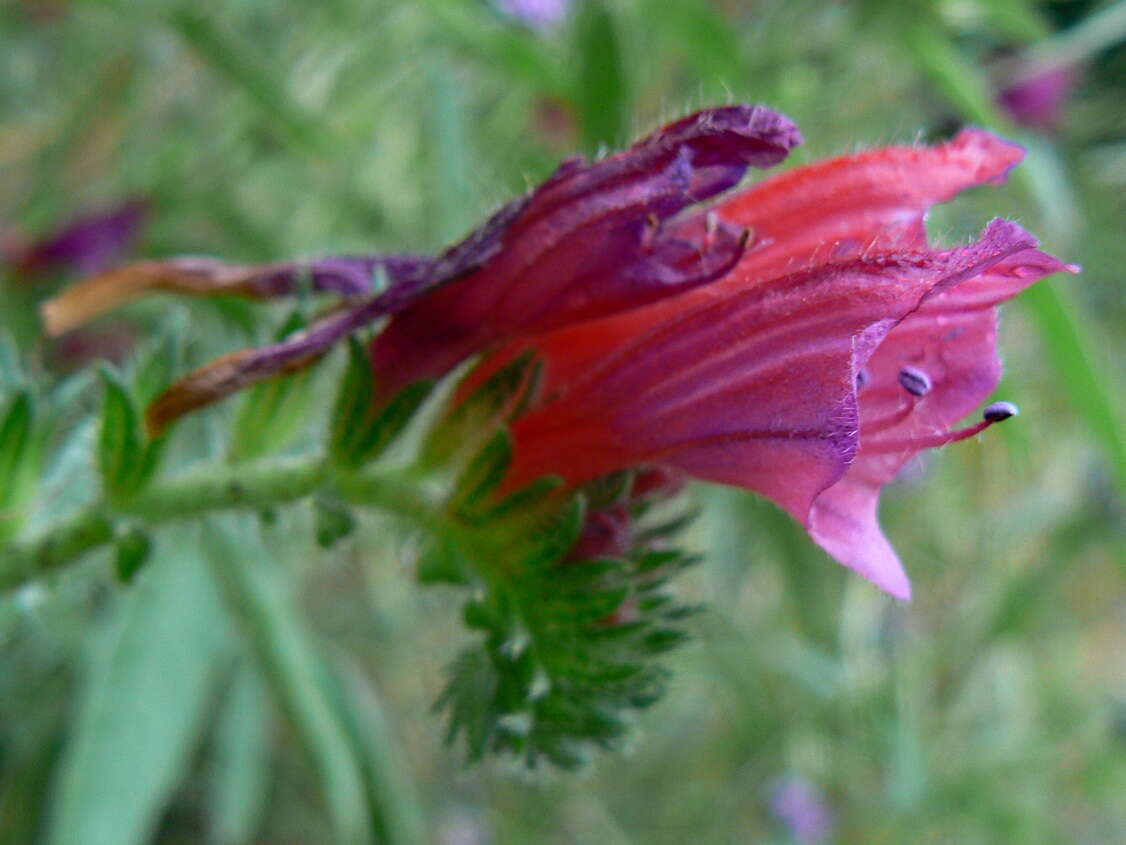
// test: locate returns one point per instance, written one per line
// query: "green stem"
(202, 492)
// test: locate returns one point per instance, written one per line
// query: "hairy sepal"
(567, 650)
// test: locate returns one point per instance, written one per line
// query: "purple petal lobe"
(591, 241)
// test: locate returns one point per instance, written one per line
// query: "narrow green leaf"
(393, 420)
(1071, 350)
(600, 88)
(273, 411)
(292, 667)
(333, 522)
(143, 705)
(358, 433)
(961, 82)
(162, 362)
(121, 444)
(398, 817)
(240, 775)
(707, 40)
(17, 461)
(1057, 317)
(131, 552)
(351, 414)
(450, 163)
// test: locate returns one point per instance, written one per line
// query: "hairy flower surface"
(839, 347)
(801, 339)
(592, 241)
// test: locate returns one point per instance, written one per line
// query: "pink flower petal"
(874, 200)
(591, 241)
(952, 339)
(756, 389)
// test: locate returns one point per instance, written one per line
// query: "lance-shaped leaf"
(274, 410)
(131, 552)
(360, 429)
(17, 461)
(126, 457)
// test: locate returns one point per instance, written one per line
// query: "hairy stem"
(201, 492)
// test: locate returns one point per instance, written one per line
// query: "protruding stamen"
(915, 381)
(926, 441)
(999, 411)
(995, 413)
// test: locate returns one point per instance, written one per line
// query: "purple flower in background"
(539, 14)
(1038, 101)
(800, 806)
(88, 244)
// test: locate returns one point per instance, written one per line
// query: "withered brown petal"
(349, 276)
(238, 370)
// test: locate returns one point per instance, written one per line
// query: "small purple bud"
(999, 411)
(915, 381)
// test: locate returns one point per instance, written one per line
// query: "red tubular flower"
(838, 348)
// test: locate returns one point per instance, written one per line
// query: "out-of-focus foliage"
(247, 685)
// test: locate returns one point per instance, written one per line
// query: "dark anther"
(1000, 411)
(862, 379)
(915, 381)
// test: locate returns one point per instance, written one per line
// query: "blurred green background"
(991, 709)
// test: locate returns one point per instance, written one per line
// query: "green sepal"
(332, 522)
(501, 397)
(18, 452)
(358, 433)
(472, 495)
(161, 363)
(131, 552)
(568, 647)
(443, 562)
(609, 490)
(273, 411)
(127, 459)
(351, 414)
(390, 422)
